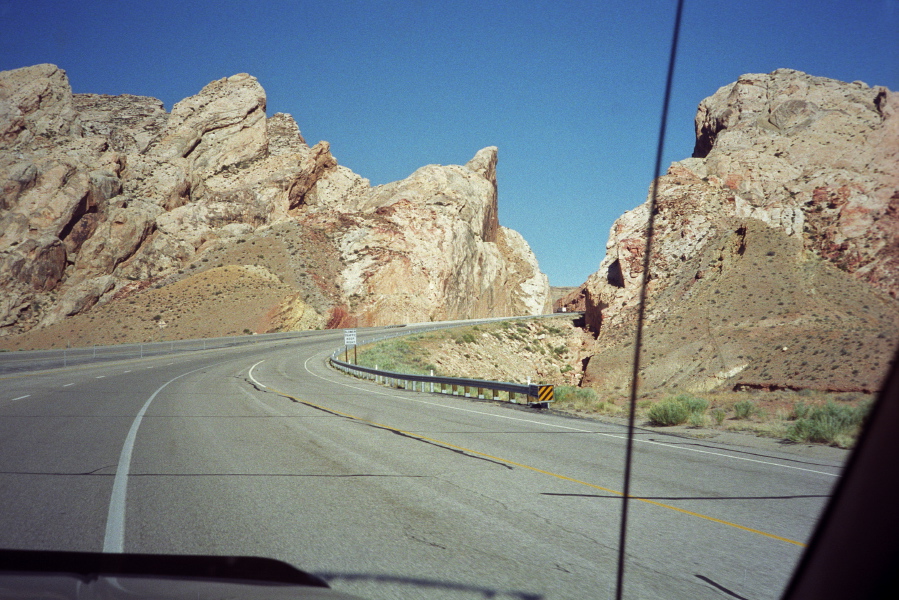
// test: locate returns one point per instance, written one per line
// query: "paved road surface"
(264, 450)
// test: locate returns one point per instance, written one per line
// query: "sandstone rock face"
(794, 179)
(429, 247)
(221, 126)
(105, 195)
(35, 101)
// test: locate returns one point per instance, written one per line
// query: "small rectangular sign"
(545, 393)
(349, 337)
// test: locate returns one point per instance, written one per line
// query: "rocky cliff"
(775, 260)
(106, 197)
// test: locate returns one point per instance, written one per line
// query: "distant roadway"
(264, 450)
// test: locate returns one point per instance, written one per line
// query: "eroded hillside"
(110, 203)
(774, 260)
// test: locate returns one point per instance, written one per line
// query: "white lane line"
(128, 371)
(21, 397)
(611, 435)
(261, 404)
(114, 540)
(256, 381)
(67, 384)
(100, 377)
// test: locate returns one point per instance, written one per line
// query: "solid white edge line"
(21, 397)
(114, 539)
(611, 435)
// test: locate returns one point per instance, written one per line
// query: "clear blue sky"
(569, 91)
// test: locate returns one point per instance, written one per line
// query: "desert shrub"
(719, 414)
(394, 355)
(745, 409)
(668, 412)
(801, 410)
(678, 410)
(575, 397)
(465, 338)
(694, 405)
(697, 419)
(829, 424)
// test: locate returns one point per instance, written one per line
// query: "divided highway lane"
(388, 493)
(61, 435)
(750, 511)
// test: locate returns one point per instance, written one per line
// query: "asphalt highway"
(265, 450)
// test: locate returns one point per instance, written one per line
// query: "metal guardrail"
(532, 394)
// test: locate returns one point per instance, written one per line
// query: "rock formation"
(104, 196)
(781, 232)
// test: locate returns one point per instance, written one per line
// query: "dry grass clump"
(586, 401)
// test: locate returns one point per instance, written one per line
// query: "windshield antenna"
(650, 230)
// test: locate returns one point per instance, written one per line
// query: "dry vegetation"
(552, 351)
(764, 316)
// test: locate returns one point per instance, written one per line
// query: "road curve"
(265, 450)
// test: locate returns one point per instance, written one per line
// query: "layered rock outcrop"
(782, 231)
(101, 193)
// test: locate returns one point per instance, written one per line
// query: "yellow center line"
(536, 470)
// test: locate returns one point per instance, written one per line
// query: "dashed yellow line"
(530, 468)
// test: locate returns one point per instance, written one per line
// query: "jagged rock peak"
(484, 163)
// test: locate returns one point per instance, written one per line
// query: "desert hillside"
(775, 260)
(119, 220)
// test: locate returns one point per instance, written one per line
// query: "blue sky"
(570, 91)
